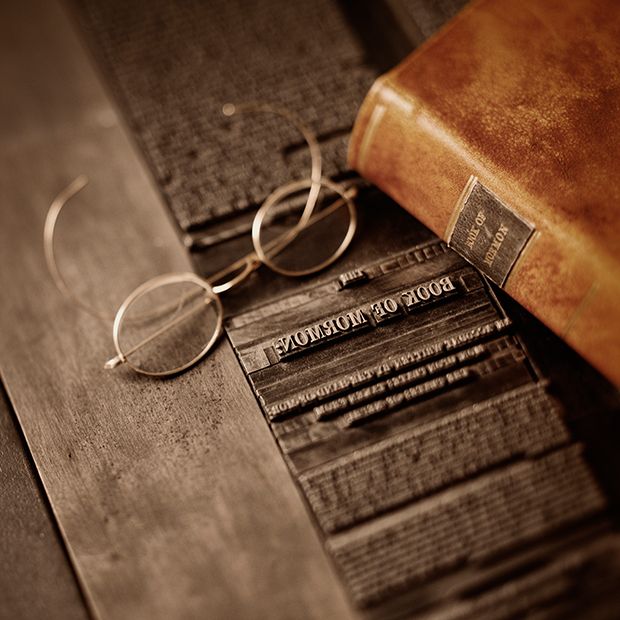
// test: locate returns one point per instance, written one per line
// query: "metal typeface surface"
(436, 462)
(200, 55)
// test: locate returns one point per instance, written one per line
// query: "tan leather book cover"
(502, 135)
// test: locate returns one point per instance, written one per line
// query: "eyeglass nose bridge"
(252, 263)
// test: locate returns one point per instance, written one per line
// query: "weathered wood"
(36, 579)
(171, 496)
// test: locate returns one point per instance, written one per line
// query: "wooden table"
(123, 497)
(171, 497)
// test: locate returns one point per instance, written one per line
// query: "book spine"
(546, 265)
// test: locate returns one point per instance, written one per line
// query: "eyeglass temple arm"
(53, 212)
(49, 232)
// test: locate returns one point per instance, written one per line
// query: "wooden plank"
(36, 579)
(171, 496)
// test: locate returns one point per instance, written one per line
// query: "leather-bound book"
(502, 135)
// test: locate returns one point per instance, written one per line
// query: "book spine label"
(487, 232)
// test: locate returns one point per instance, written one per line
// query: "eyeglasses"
(169, 323)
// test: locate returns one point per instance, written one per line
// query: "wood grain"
(172, 497)
(36, 579)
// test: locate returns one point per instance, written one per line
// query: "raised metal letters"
(328, 329)
(351, 278)
(421, 435)
(375, 313)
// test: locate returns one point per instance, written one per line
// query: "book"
(502, 134)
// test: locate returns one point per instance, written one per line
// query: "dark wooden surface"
(36, 578)
(171, 496)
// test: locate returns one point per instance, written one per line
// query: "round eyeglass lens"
(168, 324)
(293, 244)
